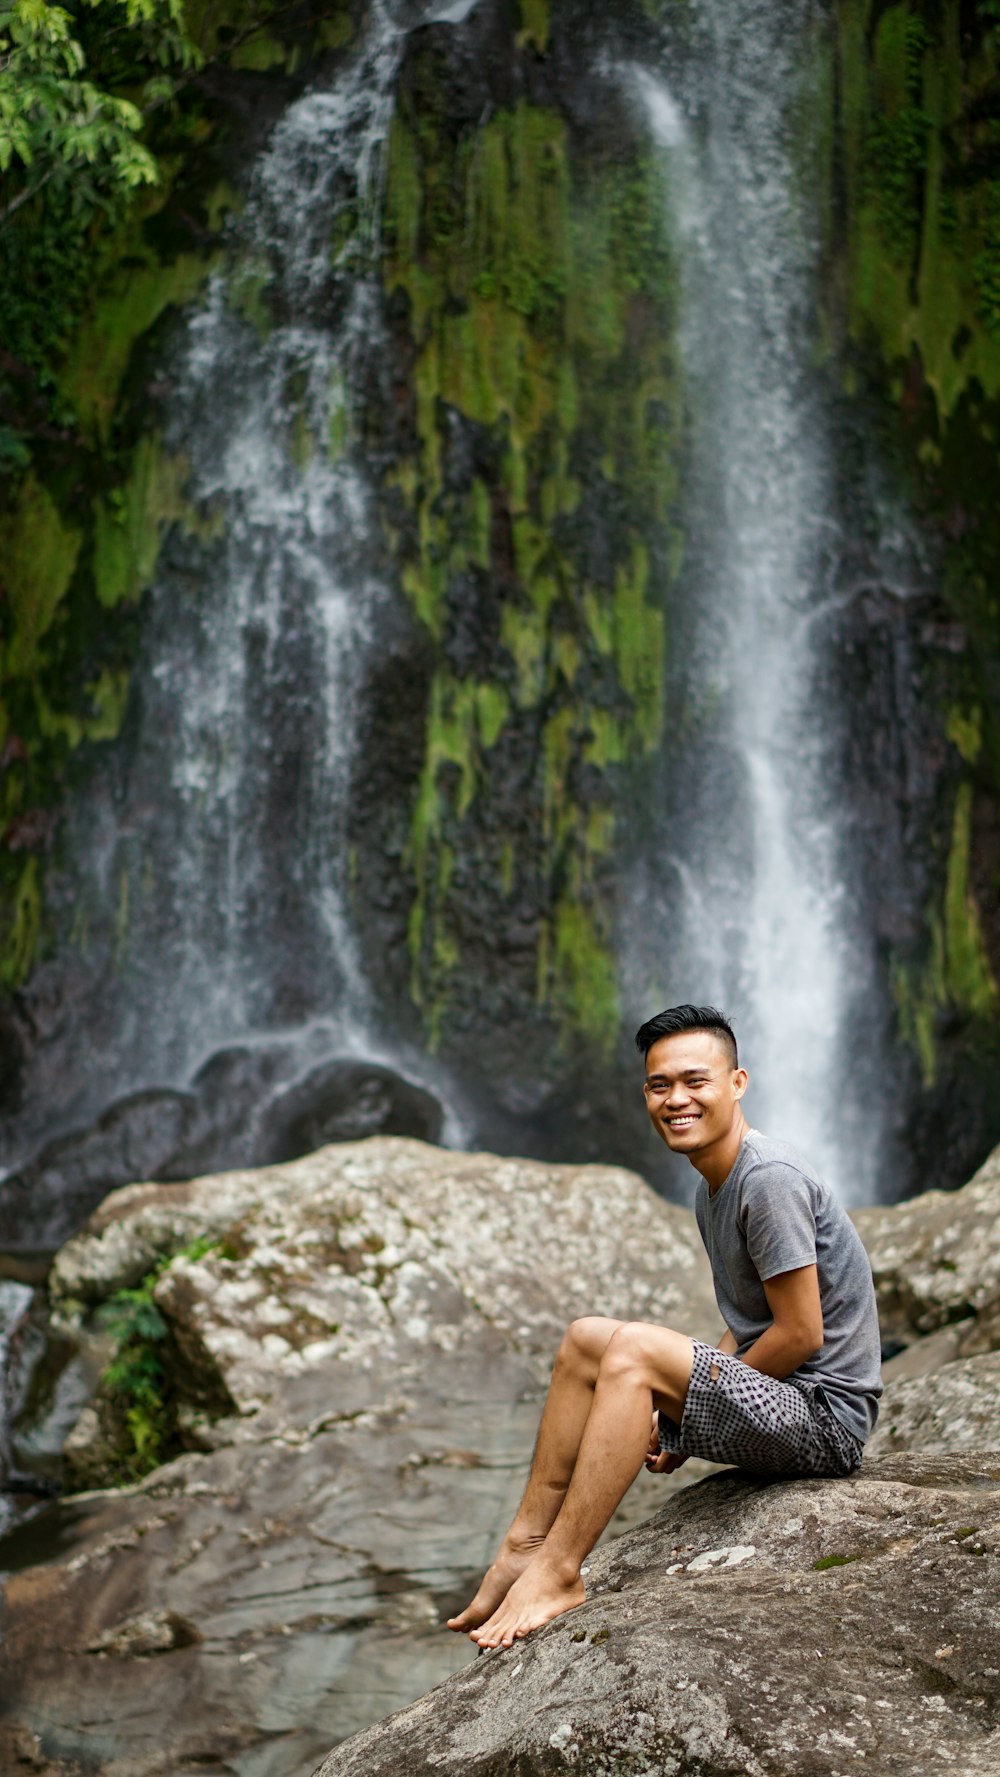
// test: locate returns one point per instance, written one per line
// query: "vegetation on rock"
(533, 505)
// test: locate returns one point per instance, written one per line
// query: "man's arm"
(796, 1332)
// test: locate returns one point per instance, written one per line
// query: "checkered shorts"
(768, 1427)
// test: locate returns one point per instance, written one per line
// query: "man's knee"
(585, 1341)
(637, 1346)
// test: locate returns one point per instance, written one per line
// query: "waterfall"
(223, 848)
(748, 903)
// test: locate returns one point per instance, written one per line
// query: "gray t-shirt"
(772, 1213)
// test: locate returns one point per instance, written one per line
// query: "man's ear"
(741, 1080)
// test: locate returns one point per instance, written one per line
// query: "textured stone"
(936, 1258)
(379, 1345)
(857, 1631)
(957, 1407)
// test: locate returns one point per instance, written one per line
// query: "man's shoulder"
(767, 1156)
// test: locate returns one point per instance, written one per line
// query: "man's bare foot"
(511, 1561)
(539, 1595)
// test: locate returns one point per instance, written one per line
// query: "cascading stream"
(752, 911)
(229, 866)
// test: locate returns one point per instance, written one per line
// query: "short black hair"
(677, 1019)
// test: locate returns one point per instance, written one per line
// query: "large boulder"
(936, 1259)
(357, 1369)
(956, 1407)
(810, 1628)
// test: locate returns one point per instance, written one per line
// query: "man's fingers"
(665, 1463)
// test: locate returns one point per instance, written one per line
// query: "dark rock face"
(346, 1101)
(139, 1137)
(799, 1628)
(240, 1111)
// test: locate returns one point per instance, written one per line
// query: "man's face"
(692, 1091)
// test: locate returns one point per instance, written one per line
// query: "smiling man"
(791, 1389)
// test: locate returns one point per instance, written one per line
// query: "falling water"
(751, 910)
(224, 850)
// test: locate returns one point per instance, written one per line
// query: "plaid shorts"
(767, 1427)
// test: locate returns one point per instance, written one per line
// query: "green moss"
(135, 296)
(246, 293)
(106, 698)
(584, 977)
(534, 23)
(968, 976)
(130, 521)
(262, 52)
(924, 212)
(20, 941)
(335, 33)
(919, 995)
(492, 710)
(541, 304)
(956, 970)
(966, 733)
(38, 553)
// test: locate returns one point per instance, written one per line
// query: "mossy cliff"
(914, 226)
(534, 422)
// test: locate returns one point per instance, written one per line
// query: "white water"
(756, 916)
(230, 866)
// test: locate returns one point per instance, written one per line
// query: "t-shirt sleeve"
(779, 1220)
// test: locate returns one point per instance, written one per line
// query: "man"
(792, 1389)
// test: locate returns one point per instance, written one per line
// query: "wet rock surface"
(806, 1628)
(245, 1107)
(373, 1351)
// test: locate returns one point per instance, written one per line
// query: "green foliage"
(60, 126)
(136, 1383)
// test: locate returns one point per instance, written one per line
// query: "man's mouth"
(681, 1122)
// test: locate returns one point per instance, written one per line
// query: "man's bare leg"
(564, 1418)
(642, 1367)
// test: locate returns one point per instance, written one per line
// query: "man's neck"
(717, 1162)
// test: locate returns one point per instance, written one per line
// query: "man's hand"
(660, 1462)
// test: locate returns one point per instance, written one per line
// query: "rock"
(380, 1322)
(346, 1101)
(810, 1628)
(232, 1090)
(138, 1137)
(957, 1407)
(936, 1258)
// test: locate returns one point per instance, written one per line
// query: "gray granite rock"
(936, 1258)
(807, 1629)
(956, 1407)
(376, 1345)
